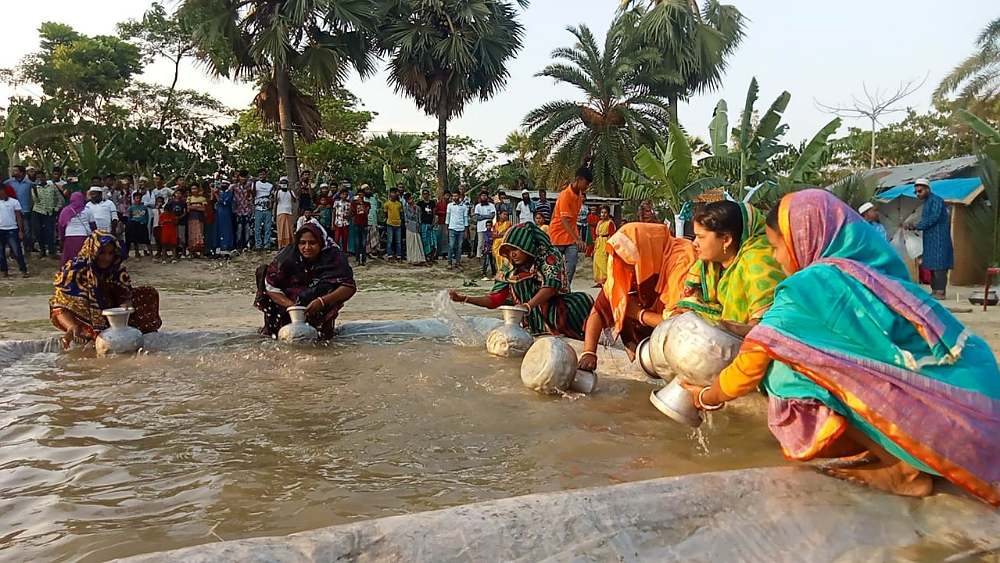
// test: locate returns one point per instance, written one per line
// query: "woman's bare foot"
(895, 476)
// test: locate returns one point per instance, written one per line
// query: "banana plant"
(90, 158)
(666, 173)
(15, 140)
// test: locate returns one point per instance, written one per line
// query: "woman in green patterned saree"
(535, 277)
(734, 278)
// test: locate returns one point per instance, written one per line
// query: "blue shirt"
(457, 216)
(935, 222)
(22, 189)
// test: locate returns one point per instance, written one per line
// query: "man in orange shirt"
(562, 228)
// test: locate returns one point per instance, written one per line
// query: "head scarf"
(811, 235)
(77, 203)
(303, 281)
(742, 292)
(839, 331)
(639, 251)
(86, 290)
(547, 265)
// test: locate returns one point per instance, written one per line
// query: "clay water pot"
(298, 331)
(510, 340)
(549, 366)
(675, 402)
(118, 338)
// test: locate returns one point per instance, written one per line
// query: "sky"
(818, 51)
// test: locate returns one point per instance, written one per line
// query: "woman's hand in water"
(75, 332)
(456, 296)
(693, 390)
(588, 362)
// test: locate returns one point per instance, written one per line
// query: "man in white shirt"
(307, 217)
(484, 211)
(457, 219)
(142, 188)
(263, 219)
(105, 212)
(284, 206)
(160, 189)
(525, 210)
(11, 232)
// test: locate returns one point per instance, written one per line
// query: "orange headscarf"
(639, 251)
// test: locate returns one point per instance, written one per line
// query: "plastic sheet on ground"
(767, 515)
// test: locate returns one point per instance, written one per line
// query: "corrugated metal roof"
(892, 176)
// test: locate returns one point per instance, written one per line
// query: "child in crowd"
(137, 227)
(325, 211)
(154, 221)
(541, 222)
(341, 220)
(489, 262)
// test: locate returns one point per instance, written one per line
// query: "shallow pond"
(104, 458)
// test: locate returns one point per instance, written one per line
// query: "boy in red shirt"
(359, 228)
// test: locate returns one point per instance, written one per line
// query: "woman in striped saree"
(860, 363)
(534, 276)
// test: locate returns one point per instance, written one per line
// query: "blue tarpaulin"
(955, 190)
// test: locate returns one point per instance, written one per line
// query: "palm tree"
(272, 41)
(977, 78)
(617, 116)
(446, 53)
(681, 49)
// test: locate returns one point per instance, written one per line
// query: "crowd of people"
(857, 361)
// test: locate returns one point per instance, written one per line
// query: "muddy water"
(103, 458)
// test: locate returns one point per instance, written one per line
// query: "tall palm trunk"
(672, 107)
(442, 150)
(287, 124)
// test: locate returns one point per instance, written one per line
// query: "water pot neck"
(513, 316)
(297, 314)
(117, 319)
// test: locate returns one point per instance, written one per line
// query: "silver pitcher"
(118, 338)
(298, 331)
(510, 340)
(675, 402)
(689, 347)
(549, 367)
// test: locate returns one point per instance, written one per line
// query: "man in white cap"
(525, 209)
(935, 222)
(869, 213)
(104, 211)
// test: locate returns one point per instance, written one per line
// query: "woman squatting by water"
(860, 364)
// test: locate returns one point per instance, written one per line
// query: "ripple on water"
(103, 458)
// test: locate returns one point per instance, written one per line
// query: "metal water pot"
(549, 366)
(510, 340)
(118, 338)
(298, 331)
(675, 402)
(584, 382)
(689, 347)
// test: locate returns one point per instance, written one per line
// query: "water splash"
(701, 439)
(462, 331)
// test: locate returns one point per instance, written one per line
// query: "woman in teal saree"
(860, 363)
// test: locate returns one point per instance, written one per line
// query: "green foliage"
(618, 116)
(446, 53)
(678, 49)
(81, 72)
(916, 138)
(976, 80)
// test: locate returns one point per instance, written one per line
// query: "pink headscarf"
(77, 203)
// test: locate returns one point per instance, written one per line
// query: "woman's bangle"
(588, 353)
(465, 299)
(321, 302)
(700, 401)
